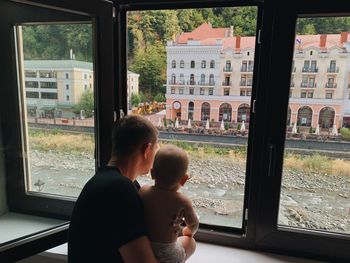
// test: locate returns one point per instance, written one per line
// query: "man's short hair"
(170, 164)
(130, 134)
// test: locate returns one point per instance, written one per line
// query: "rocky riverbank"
(308, 199)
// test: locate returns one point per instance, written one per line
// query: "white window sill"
(204, 253)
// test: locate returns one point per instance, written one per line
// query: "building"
(132, 85)
(210, 76)
(53, 87)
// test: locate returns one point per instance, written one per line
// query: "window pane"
(208, 101)
(59, 106)
(315, 183)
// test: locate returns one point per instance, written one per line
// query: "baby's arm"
(191, 218)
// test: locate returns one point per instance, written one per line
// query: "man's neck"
(125, 168)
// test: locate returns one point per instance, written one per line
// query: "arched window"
(190, 110)
(212, 64)
(173, 79)
(205, 111)
(173, 64)
(192, 79)
(304, 116)
(225, 112)
(211, 79)
(182, 64)
(193, 64)
(243, 113)
(326, 117)
(202, 79)
(203, 64)
(182, 80)
(289, 116)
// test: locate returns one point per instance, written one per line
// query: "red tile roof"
(206, 35)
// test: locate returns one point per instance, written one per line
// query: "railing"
(226, 83)
(227, 69)
(176, 82)
(307, 85)
(331, 85)
(191, 82)
(246, 83)
(247, 69)
(312, 69)
(333, 69)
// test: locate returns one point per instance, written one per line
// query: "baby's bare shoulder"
(183, 199)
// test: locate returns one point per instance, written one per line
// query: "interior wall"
(3, 202)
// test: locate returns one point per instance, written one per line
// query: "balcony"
(332, 69)
(246, 83)
(331, 85)
(226, 83)
(211, 83)
(310, 70)
(227, 69)
(176, 82)
(308, 85)
(247, 69)
(191, 82)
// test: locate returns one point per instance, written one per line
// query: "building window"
(67, 75)
(182, 64)
(193, 64)
(205, 111)
(192, 79)
(30, 74)
(173, 64)
(49, 95)
(191, 91)
(47, 74)
(212, 64)
(67, 87)
(329, 95)
(48, 85)
(211, 91)
(90, 85)
(211, 80)
(243, 113)
(333, 67)
(304, 116)
(190, 110)
(172, 90)
(67, 97)
(244, 66)
(182, 79)
(31, 84)
(85, 76)
(181, 91)
(303, 94)
(310, 94)
(201, 91)
(203, 64)
(85, 86)
(226, 92)
(202, 79)
(173, 79)
(32, 95)
(225, 112)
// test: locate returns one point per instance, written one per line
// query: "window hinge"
(114, 12)
(253, 106)
(259, 33)
(115, 116)
(246, 214)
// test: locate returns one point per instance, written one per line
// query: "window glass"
(205, 93)
(58, 119)
(315, 180)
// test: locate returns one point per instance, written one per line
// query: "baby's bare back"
(161, 209)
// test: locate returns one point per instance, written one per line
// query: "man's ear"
(146, 150)
(184, 179)
(152, 173)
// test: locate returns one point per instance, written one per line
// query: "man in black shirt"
(107, 224)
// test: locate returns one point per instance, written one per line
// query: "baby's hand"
(187, 232)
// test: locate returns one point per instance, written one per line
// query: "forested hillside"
(148, 32)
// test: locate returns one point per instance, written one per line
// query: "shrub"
(135, 99)
(159, 97)
(345, 133)
(227, 126)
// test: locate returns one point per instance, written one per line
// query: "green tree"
(159, 97)
(86, 103)
(135, 99)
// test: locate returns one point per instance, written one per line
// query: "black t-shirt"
(107, 215)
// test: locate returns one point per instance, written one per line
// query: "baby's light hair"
(170, 165)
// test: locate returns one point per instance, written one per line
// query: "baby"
(164, 206)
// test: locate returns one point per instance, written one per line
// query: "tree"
(86, 103)
(159, 97)
(135, 99)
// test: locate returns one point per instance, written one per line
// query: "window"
(181, 91)
(329, 95)
(190, 110)
(193, 64)
(30, 74)
(191, 91)
(192, 82)
(32, 84)
(182, 64)
(85, 76)
(47, 74)
(182, 79)
(172, 90)
(67, 87)
(202, 79)
(67, 98)
(173, 79)
(244, 66)
(333, 67)
(85, 86)
(211, 91)
(31, 94)
(67, 76)
(303, 94)
(49, 95)
(203, 64)
(225, 112)
(205, 111)
(48, 85)
(201, 91)
(173, 64)
(211, 80)
(226, 92)
(212, 64)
